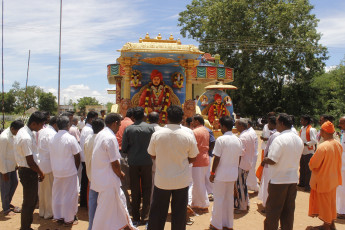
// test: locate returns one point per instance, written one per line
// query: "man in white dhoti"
(263, 191)
(45, 189)
(227, 152)
(341, 188)
(252, 182)
(111, 212)
(65, 160)
(97, 126)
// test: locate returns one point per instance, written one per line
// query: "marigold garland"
(165, 99)
(222, 110)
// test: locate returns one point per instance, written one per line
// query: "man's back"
(248, 144)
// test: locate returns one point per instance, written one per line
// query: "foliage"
(84, 101)
(9, 102)
(109, 105)
(272, 45)
(47, 102)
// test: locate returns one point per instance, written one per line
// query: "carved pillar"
(188, 65)
(118, 90)
(127, 63)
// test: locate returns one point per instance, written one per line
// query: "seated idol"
(217, 110)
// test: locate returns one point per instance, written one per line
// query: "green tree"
(9, 102)
(109, 105)
(272, 45)
(84, 101)
(47, 102)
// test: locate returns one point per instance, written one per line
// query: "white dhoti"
(199, 194)
(45, 193)
(209, 185)
(341, 195)
(263, 191)
(111, 212)
(223, 205)
(65, 198)
(252, 182)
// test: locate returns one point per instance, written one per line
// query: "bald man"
(341, 188)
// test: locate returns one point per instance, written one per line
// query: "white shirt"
(25, 145)
(88, 148)
(74, 131)
(7, 159)
(156, 127)
(342, 141)
(286, 150)
(63, 146)
(311, 143)
(294, 130)
(252, 132)
(105, 151)
(265, 134)
(248, 145)
(44, 137)
(81, 124)
(172, 147)
(229, 148)
(85, 133)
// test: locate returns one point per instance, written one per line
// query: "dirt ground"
(249, 221)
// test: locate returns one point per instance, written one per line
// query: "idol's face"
(218, 101)
(156, 81)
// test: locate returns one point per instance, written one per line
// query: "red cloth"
(124, 123)
(202, 137)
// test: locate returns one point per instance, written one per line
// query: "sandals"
(15, 209)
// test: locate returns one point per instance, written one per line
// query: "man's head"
(250, 123)
(74, 121)
(47, 116)
(153, 117)
(327, 130)
(326, 117)
(197, 120)
(36, 121)
(284, 122)
(342, 123)
(218, 98)
(138, 113)
(189, 121)
(226, 124)
(113, 121)
(91, 116)
(15, 126)
(97, 125)
(63, 123)
(156, 77)
(305, 120)
(175, 114)
(102, 113)
(129, 113)
(241, 124)
(69, 115)
(272, 121)
(53, 123)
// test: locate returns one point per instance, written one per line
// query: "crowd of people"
(128, 170)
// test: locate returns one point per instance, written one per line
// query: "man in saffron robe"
(325, 166)
(156, 97)
(217, 110)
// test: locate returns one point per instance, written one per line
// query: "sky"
(93, 31)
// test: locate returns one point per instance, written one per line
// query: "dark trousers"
(140, 175)
(7, 190)
(160, 206)
(280, 205)
(29, 180)
(304, 171)
(83, 186)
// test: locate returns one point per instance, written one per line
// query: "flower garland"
(154, 102)
(178, 82)
(135, 78)
(222, 110)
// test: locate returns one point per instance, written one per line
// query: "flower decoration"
(136, 78)
(177, 79)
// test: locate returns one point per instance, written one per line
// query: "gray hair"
(243, 122)
(62, 122)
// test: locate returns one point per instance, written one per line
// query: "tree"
(47, 102)
(84, 101)
(272, 45)
(109, 105)
(9, 102)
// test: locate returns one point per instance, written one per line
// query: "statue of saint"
(217, 110)
(157, 96)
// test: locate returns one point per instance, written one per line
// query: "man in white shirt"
(173, 149)
(85, 133)
(227, 152)
(246, 161)
(252, 182)
(8, 174)
(74, 130)
(97, 126)
(65, 160)
(45, 189)
(81, 123)
(283, 162)
(111, 212)
(308, 136)
(341, 188)
(29, 173)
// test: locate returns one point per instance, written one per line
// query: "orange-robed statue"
(156, 97)
(217, 109)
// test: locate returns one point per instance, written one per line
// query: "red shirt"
(202, 137)
(124, 123)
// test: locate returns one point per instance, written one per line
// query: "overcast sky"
(92, 31)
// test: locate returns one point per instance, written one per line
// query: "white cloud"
(333, 30)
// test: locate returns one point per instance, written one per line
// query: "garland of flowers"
(179, 83)
(136, 73)
(165, 100)
(222, 111)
